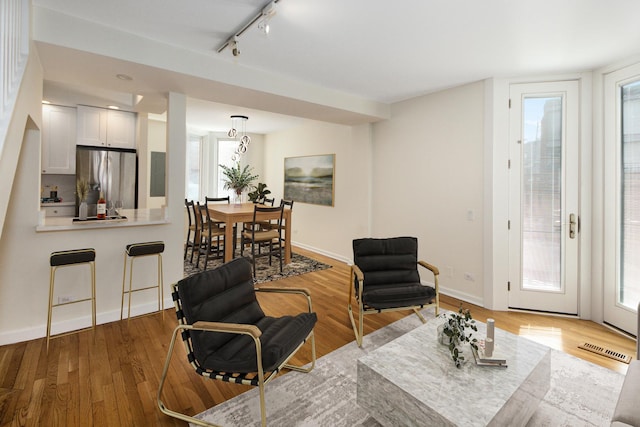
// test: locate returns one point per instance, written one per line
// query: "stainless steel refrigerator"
(112, 171)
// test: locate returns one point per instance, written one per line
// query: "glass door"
(622, 199)
(628, 289)
(543, 215)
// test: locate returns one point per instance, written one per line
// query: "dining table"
(233, 213)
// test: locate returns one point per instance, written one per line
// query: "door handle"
(573, 224)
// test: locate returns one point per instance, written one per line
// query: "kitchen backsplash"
(66, 186)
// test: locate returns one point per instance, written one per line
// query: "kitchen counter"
(135, 218)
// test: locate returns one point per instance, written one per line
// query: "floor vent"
(615, 355)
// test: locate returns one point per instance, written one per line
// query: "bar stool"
(137, 250)
(68, 258)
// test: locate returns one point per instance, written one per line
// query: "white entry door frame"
(544, 214)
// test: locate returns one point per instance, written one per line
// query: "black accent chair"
(384, 277)
(228, 337)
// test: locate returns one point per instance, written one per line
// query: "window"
(194, 155)
(226, 149)
(204, 176)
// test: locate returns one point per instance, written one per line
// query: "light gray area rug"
(581, 393)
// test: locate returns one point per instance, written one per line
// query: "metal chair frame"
(259, 379)
(363, 309)
(159, 285)
(52, 276)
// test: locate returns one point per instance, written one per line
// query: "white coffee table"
(413, 381)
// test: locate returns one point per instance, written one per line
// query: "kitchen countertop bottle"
(101, 207)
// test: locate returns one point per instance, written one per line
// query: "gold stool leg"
(93, 298)
(160, 285)
(52, 275)
(124, 275)
(130, 287)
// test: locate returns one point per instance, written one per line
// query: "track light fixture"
(267, 13)
(233, 45)
(262, 19)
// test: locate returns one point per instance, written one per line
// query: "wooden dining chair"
(211, 237)
(221, 224)
(193, 234)
(268, 237)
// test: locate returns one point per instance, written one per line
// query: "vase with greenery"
(259, 193)
(82, 190)
(456, 330)
(238, 179)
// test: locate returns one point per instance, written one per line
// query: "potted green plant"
(238, 179)
(259, 193)
(455, 330)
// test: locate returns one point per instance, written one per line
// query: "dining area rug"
(299, 264)
(581, 393)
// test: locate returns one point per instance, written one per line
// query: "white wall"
(418, 173)
(326, 229)
(28, 106)
(428, 182)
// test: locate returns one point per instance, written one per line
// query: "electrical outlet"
(469, 277)
(65, 299)
(448, 271)
(471, 215)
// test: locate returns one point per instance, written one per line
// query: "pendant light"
(238, 131)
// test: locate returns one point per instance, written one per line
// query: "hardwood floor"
(111, 378)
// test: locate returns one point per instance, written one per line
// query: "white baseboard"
(69, 325)
(473, 299)
(322, 252)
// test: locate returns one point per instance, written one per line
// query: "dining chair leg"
(193, 247)
(253, 258)
(199, 252)
(206, 254)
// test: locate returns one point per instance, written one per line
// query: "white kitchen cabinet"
(92, 126)
(106, 128)
(121, 129)
(58, 140)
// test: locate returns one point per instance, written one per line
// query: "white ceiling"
(380, 50)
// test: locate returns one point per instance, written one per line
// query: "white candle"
(491, 324)
(488, 347)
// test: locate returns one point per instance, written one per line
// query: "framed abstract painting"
(310, 179)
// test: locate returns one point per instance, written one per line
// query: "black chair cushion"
(397, 295)
(147, 248)
(280, 337)
(74, 256)
(390, 268)
(227, 295)
(384, 261)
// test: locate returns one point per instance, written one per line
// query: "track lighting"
(263, 26)
(262, 19)
(233, 44)
(267, 14)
